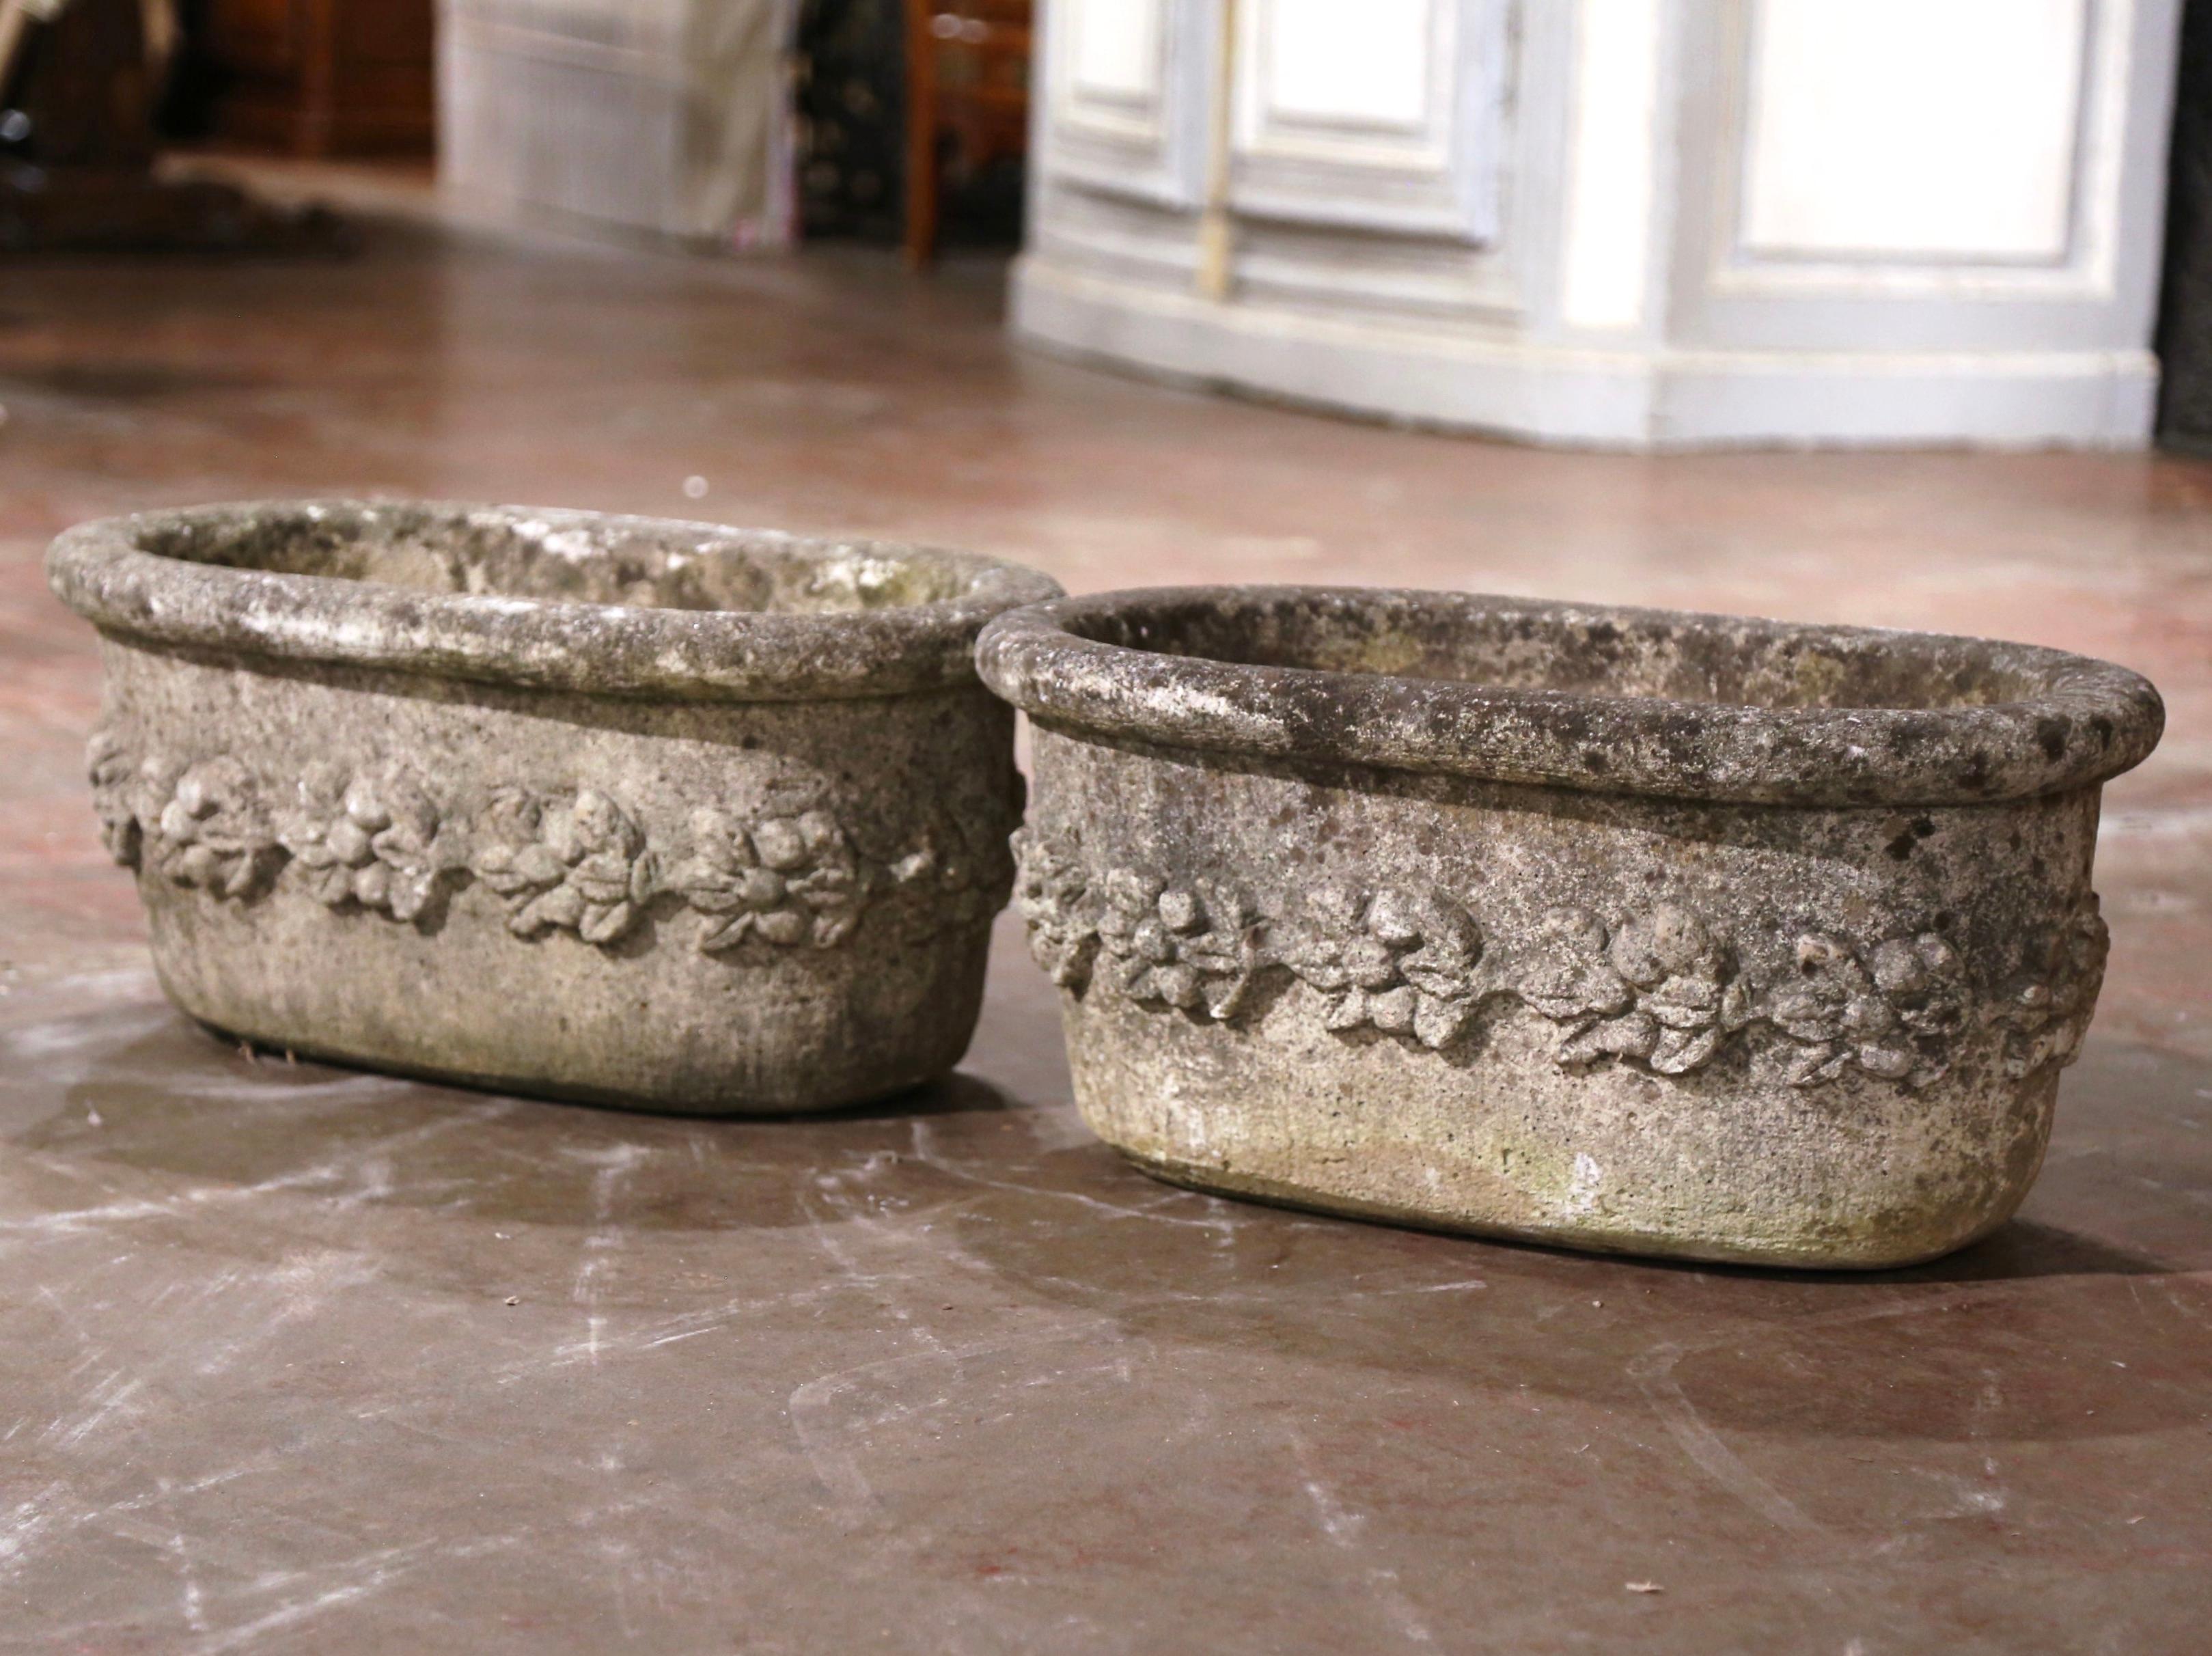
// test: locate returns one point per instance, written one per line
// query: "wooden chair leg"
(921, 134)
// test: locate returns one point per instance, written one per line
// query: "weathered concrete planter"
(648, 812)
(1621, 928)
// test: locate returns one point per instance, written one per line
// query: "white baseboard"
(1631, 398)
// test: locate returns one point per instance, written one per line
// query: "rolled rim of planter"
(815, 619)
(1710, 708)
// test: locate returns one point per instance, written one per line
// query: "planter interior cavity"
(640, 812)
(1621, 928)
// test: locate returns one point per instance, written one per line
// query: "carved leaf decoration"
(1213, 956)
(1444, 972)
(1371, 963)
(603, 879)
(2048, 1010)
(496, 867)
(1573, 979)
(1684, 1003)
(372, 885)
(1391, 1010)
(1815, 1063)
(1404, 967)
(1194, 950)
(559, 909)
(1801, 1018)
(1317, 960)
(244, 870)
(536, 866)
(1066, 963)
(1178, 984)
(1891, 1062)
(511, 817)
(782, 926)
(605, 922)
(1345, 1011)
(727, 934)
(715, 900)
(193, 865)
(1680, 1050)
(409, 894)
(1226, 996)
(1633, 1036)
(1575, 1047)
(115, 775)
(1439, 1021)
(1052, 890)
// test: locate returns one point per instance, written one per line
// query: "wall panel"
(1936, 129)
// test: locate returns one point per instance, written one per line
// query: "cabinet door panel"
(1384, 116)
(1126, 96)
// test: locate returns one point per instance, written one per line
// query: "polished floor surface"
(297, 1360)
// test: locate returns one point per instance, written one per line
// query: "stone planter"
(1620, 928)
(646, 813)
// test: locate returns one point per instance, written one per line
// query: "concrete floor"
(297, 1360)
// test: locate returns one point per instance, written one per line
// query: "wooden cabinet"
(967, 97)
(321, 77)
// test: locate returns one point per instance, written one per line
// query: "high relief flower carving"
(213, 833)
(374, 838)
(569, 862)
(118, 782)
(2046, 1010)
(1050, 889)
(1194, 949)
(786, 880)
(956, 872)
(1659, 989)
(1399, 963)
(956, 890)
(1889, 1015)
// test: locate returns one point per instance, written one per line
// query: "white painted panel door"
(1942, 130)
(1364, 66)
(1611, 161)
(1125, 95)
(1114, 48)
(1381, 115)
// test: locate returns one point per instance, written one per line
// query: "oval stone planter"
(1620, 928)
(648, 813)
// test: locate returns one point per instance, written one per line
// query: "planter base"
(1467, 1162)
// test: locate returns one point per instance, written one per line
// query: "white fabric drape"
(669, 116)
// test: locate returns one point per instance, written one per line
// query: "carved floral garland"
(377, 840)
(1656, 988)
(785, 879)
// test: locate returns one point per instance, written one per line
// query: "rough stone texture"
(266, 1394)
(626, 810)
(1629, 930)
